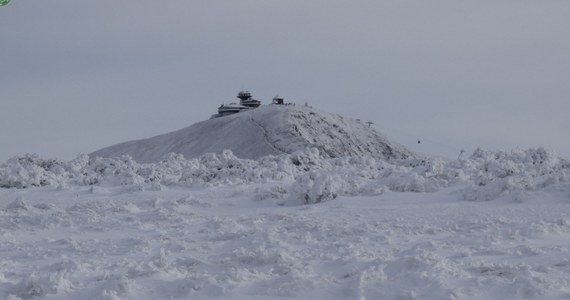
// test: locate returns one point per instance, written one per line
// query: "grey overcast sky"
(76, 76)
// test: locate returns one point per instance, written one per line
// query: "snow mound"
(273, 129)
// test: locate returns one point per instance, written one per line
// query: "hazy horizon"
(76, 77)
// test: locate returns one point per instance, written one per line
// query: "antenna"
(460, 154)
(369, 123)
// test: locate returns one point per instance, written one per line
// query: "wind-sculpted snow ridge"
(267, 130)
(303, 177)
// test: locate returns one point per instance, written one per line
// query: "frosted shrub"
(495, 174)
(276, 168)
(412, 182)
(30, 170)
(418, 175)
(316, 187)
(499, 164)
(114, 171)
(306, 175)
(308, 159)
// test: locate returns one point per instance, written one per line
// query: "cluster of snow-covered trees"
(304, 176)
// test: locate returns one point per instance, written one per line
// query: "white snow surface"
(270, 129)
(293, 226)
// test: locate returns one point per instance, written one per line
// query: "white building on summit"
(246, 102)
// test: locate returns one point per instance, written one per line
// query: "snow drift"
(273, 129)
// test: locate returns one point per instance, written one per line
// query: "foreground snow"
(219, 226)
(115, 243)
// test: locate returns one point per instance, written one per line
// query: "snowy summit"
(270, 129)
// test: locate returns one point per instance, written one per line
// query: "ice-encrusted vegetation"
(218, 226)
(304, 176)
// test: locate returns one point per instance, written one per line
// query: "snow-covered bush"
(31, 170)
(215, 169)
(308, 159)
(496, 173)
(307, 176)
(316, 187)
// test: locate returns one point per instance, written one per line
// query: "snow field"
(220, 226)
(116, 243)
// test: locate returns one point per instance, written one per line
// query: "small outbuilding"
(278, 100)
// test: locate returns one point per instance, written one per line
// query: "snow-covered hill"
(313, 224)
(273, 129)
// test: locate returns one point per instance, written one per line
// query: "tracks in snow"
(265, 134)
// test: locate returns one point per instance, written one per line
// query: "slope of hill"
(273, 129)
